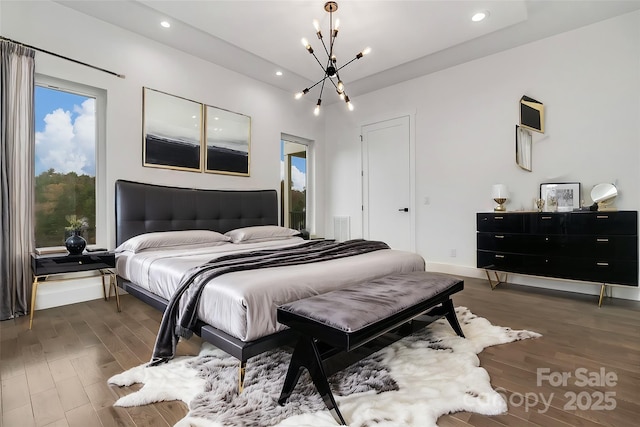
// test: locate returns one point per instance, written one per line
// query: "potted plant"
(75, 243)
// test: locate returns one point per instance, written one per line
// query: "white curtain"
(17, 76)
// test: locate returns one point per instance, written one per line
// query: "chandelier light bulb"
(316, 111)
(305, 43)
(349, 104)
(316, 25)
(340, 86)
(298, 95)
(366, 51)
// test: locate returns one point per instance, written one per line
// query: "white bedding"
(243, 304)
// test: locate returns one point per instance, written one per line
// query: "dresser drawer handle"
(602, 216)
(498, 217)
(602, 264)
(499, 256)
(499, 236)
(602, 240)
(545, 217)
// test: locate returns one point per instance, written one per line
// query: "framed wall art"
(172, 131)
(560, 197)
(228, 142)
(523, 148)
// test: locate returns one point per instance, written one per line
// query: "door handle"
(403, 210)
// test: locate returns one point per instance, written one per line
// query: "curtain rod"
(122, 76)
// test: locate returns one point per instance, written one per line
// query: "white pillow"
(167, 239)
(261, 233)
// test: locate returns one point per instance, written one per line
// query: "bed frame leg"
(243, 366)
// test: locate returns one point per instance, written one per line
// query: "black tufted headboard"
(143, 208)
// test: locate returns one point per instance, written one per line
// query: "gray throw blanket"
(178, 322)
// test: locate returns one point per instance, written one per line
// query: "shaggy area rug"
(412, 382)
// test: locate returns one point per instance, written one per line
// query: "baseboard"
(588, 288)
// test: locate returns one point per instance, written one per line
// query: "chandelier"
(331, 69)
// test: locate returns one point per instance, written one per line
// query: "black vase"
(75, 243)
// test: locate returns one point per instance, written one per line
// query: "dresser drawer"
(499, 261)
(549, 223)
(612, 271)
(624, 222)
(605, 247)
(502, 242)
(508, 223)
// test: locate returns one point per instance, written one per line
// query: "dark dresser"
(588, 246)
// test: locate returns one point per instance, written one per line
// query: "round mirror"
(604, 194)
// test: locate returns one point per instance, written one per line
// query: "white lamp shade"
(499, 191)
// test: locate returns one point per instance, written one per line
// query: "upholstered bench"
(348, 318)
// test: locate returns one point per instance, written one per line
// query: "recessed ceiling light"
(479, 16)
(165, 24)
(278, 73)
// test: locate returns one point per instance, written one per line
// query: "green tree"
(58, 195)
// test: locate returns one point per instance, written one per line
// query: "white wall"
(589, 81)
(145, 63)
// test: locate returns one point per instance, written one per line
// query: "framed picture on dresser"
(560, 196)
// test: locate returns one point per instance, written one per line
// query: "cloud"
(68, 141)
(298, 178)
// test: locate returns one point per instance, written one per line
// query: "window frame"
(310, 182)
(100, 96)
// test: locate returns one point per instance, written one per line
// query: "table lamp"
(500, 194)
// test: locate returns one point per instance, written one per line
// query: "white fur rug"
(409, 383)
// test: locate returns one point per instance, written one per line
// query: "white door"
(387, 183)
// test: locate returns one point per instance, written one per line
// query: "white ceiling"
(407, 38)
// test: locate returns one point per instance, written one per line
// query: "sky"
(65, 132)
(298, 172)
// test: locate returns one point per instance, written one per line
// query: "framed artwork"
(560, 197)
(228, 142)
(172, 131)
(523, 148)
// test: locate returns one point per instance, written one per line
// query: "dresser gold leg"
(497, 280)
(602, 289)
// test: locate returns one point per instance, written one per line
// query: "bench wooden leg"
(452, 318)
(307, 355)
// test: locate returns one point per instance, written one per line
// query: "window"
(295, 201)
(65, 163)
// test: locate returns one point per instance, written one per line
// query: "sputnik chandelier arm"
(331, 69)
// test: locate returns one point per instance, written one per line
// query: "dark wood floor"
(55, 374)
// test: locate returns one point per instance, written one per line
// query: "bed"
(237, 310)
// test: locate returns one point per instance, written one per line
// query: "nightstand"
(44, 266)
